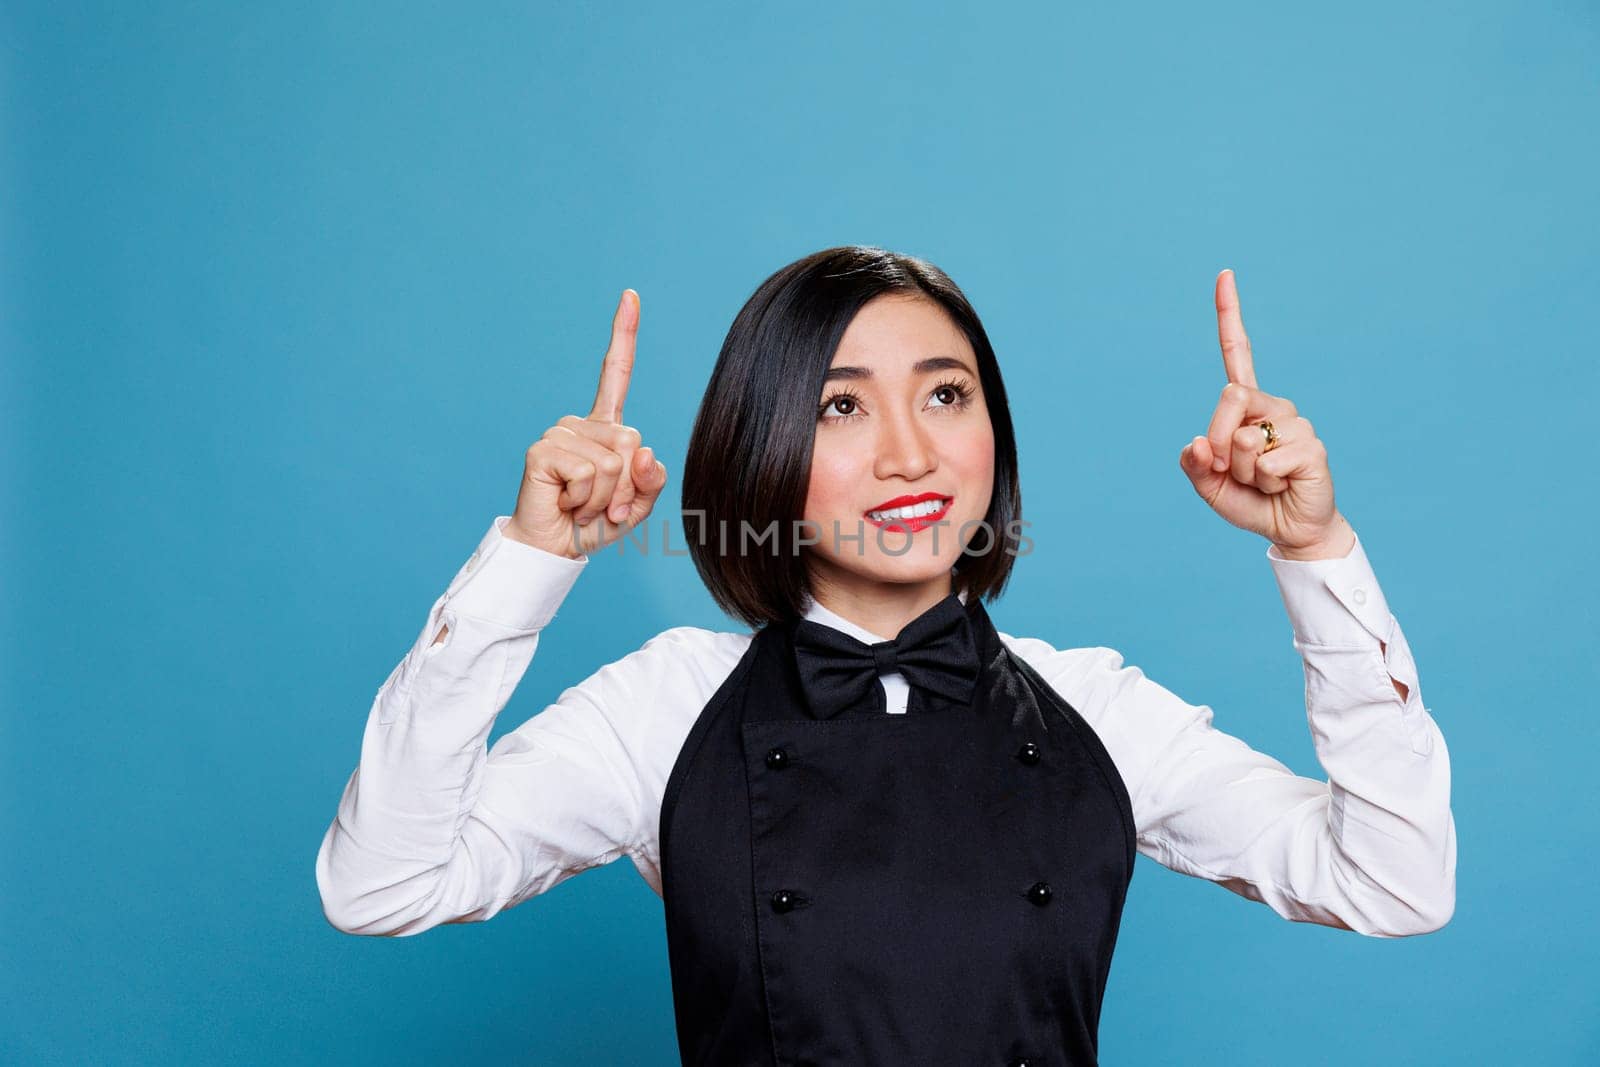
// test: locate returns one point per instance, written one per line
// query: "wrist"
(515, 533)
(1336, 544)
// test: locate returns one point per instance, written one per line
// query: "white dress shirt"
(435, 827)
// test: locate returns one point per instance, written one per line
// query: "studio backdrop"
(286, 292)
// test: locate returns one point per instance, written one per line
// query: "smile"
(911, 513)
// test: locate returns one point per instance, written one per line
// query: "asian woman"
(883, 830)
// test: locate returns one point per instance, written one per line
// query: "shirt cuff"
(510, 583)
(1332, 602)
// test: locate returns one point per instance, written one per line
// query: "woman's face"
(902, 415)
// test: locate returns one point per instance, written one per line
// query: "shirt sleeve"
(1372, 849)
(432, 828)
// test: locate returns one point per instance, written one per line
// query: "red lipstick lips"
(911, 525)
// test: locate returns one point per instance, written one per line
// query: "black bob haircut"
(749, 456)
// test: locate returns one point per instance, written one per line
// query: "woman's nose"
(904, 448)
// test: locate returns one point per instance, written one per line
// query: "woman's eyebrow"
(922, 366)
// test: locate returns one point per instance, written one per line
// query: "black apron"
(937, 887)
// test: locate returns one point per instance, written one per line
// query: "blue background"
(287, 293)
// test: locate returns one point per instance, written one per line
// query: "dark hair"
(749, 457)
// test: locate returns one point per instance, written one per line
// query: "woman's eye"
(841, 406)
(951, 395)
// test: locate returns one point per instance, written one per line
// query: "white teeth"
(927, 507)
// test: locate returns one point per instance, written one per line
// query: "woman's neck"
(883, 608)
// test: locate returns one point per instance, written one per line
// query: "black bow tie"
(936, 652)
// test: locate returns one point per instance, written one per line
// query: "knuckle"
(570, 421)
(1246, 436)
(1235, 393)
(629, 436)
(611, 464)
(1305, 424)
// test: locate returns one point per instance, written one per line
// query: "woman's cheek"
(978, 457)
(828, 494)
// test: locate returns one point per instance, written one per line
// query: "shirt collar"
(815, 612)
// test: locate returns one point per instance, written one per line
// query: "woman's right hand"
(587, 480)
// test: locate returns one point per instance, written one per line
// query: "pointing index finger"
(617, 367)
(1236, 356)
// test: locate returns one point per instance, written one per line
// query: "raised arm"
(421, 837)
(411, 846)
(1372, 848)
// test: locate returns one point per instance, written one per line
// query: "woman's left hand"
(1285, 495)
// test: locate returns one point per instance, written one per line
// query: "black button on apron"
(1028, 753)
(784, 900)
(1039, 893)
(777, 759)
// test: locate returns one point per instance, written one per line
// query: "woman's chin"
(913, 568)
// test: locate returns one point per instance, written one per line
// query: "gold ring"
(1272, 435)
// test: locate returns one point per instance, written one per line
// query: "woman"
(883, 831)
